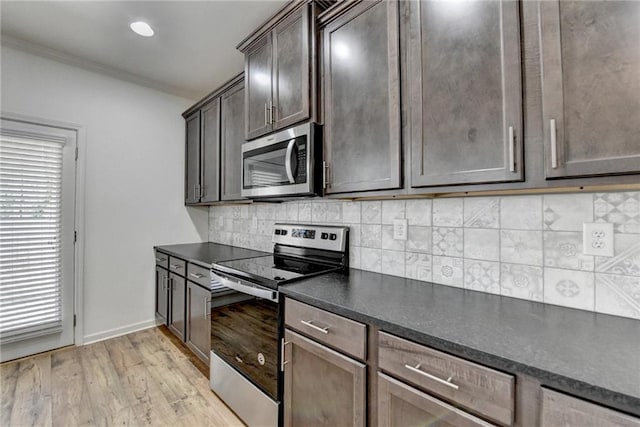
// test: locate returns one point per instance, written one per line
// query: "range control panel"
(328, 237)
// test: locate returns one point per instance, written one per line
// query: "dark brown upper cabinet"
(362, 146)
(232, 103)
(280, 69)
(464, 96)
(202, 167)
(590, 87)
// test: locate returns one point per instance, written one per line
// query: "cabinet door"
(362, 99)
(162, 294)
(591, 89)
(210, 152)
(291, 69)
(321, 387)
(177, 319)
(401, 405)
(465, 96)
(192, 159)
(232, 105)
(257, 73)
(199, 324)
(561, 410)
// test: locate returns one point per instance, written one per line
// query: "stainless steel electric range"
(245, 356)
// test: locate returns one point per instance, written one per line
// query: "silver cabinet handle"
(196, 275)
(282, 349)
(160, 259)
(170, 282)
(554, 146)
(266, 114)
(274, 110)
(512, 161)
(446, 382)
(310, 324)
(175, 266)
(207, 313)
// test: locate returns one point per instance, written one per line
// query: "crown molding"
(97, 67)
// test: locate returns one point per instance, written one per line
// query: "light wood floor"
(145, 378)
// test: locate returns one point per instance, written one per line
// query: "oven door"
(244, 349)
(279, 165)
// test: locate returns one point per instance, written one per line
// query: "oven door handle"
(287, 164)
(246, 289)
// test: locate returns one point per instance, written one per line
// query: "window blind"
(30, 237)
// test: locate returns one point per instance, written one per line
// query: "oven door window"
(283, 163)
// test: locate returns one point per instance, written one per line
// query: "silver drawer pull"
(446, 382)
(160, 259)
(512, 160)
(175, 266)
(196, 275)
(554, 145)
(312, 326)
(239, 360)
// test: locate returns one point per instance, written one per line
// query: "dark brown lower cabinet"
(400, 405)
(321, 386)
(198, 321)
(162, 294)
(177, 286)
(559, 409)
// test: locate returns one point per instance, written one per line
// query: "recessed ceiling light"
(141, 28)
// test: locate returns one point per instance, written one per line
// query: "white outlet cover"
(400, 229)
(597, 238)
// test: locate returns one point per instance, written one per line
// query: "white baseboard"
(116, 332)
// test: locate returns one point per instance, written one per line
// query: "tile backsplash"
(527, 247)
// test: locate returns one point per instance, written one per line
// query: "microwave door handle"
(287, 164)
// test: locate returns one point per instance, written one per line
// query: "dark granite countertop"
(590, 355)
(206, 253)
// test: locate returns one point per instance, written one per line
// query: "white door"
(37, 227)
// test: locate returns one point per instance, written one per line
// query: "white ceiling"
(192, 52)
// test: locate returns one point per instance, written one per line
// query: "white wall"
(134, 179)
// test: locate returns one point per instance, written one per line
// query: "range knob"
(333, 236)
(324, 236)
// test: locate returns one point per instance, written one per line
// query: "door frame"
(81, 144)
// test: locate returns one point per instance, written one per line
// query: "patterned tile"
(334, 212)
(351, 212)
(281, 212)
(266, 211)
(371, 236)
(392, 209)
(563, 249)
(418, 266)
(618, 295)
(304, 212)
(318, 212)
(419, 239)
(627, 257)
(447, 212)
(447, 241)
(521, 281)
(567, 212)
(388, 242)
(418, 212)
(482, 212)
(448, 271)
(292, 211)
(621, 209)
(482, 276)
(371, 212)
(521, 247)
(354, 234)
(480, 243)
(521, 213)
(569, 288)
(371, 259)
(393, 263)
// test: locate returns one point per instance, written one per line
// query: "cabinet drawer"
(403, 405)
(339, 332)
(199, 275)
(162, 260)
(178, 266)
(480, 389)
(562, 410)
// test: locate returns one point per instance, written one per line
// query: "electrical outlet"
(597, 238)
(400, 229)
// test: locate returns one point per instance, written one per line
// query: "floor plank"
(142, 379)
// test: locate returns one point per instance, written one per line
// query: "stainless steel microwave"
(283, 164)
